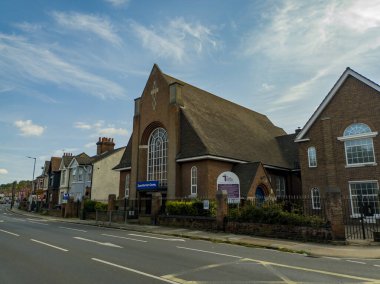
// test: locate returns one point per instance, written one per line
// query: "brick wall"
(354, 102)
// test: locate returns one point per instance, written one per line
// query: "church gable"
(155, 97)
(349, 98)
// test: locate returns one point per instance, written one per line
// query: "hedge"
(190, 208)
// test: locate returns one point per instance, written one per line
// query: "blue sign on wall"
(144, 185)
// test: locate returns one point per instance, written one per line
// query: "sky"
(71, 69)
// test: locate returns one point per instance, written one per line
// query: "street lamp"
(34, 169)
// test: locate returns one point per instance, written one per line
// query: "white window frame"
(312, 157)
(89, 171)
(74, 173)
(158, 156)
(194, 181)
(280, 186)
(127, 185)
(80, 174)
(316, 198)
(63, 177)
(354, 213)
(358, 137)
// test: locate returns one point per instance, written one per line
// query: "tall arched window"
(194, 180)
(358, 144)
(158, 156)
(316, 198)
(312, 157)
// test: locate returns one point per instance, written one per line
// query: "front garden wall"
(263, 230)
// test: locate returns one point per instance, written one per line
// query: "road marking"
(376, 265)
(7, 232)
(354, 261)
(1, 221)
(135, 271)
(38, 223)
(99, 243)
(205, 251)
(67, 228)
(136, 240)
(49, 245)
(279, 274)
(157, 238)
(290, 266)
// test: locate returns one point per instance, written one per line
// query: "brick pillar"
(334, 211)
(222, 208)
(69, 208)
(111, 202)
(156, 205)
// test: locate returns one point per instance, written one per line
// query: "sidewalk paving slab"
(358, 249)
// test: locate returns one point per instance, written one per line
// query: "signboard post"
(230, 182)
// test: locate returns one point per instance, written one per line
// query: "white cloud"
(327, 36)
(24, 62)
(82, 125)
(90, 145)
(176, 39)
(27, 128)
(118, 3)
(267, 87)
(113, 131)
(100, 129)
(88, 23)
(3, 172)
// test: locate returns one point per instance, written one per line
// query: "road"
(33, 250)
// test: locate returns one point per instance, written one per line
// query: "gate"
(361, 216)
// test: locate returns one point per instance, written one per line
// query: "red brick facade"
(354, 102)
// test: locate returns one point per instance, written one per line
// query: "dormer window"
(358, 144)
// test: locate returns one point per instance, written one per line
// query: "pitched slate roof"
(106, 154)
(348, 72)
(55, 163)
(83, 159)
(125, 161)
(217, 127)
(246, 173)
(46, 168)
(289, 149)
(67, 160)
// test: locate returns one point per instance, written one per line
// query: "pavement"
(355, 249)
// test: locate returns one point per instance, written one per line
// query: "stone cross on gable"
(153, 93)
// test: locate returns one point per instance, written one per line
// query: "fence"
(361, 216)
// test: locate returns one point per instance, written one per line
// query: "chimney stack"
(104, 145)
(298, 130)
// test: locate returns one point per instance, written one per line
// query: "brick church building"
(339, 147)
(184, 138)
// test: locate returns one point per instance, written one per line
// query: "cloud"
(3, 172)
(25, 62)
(82, 125)
(27, 128)
(314, 42)
(176, 39)
(90, 145)
(118, 3)
(100, 129)
(113, 131)
(88, 23)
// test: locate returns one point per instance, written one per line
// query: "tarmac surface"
(360, 249)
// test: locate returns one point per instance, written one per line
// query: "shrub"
(99, 206)
(89, 205)
(92, 206)
(190, 208)
(273, 214)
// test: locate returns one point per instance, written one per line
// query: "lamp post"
(34, 169)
